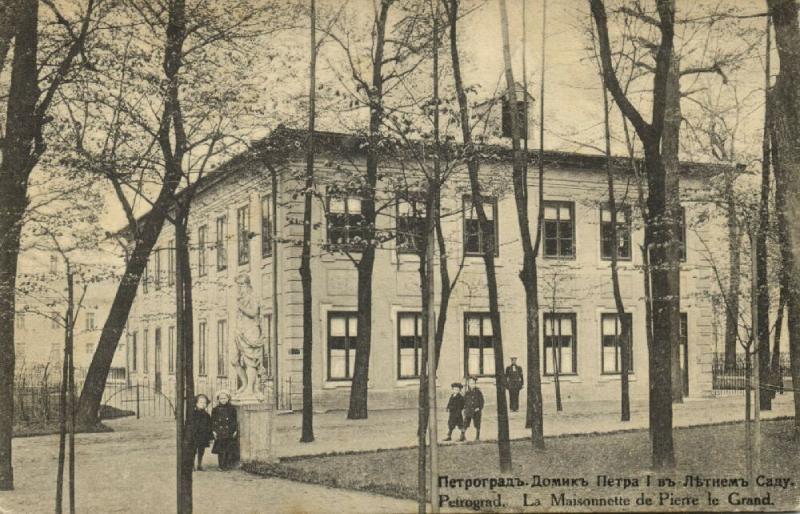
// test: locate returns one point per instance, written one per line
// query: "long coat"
(225, 425)
(455, 407)
(200, 424)
(514, 377)
(473, 400)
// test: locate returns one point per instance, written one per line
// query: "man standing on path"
(514, 382)
(473, 406)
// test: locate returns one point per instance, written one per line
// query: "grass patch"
(716, 451)
(33, 428)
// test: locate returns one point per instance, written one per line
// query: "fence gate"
(142, 400)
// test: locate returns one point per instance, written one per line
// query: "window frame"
(134, 351)
(171, 263)
(350, 230)
(626, 224)
(266, 226)
(243, 235)
(90, 319)
(156, 347)
(202, 349)
(558, 204)
(682, 235)
(481, 316)
(492, 200)
(617, 354)
(348, 348)
(202, 263)
(157, 274)
(221, 242)
(145, 351)
(418, 342)
(573, 318)
(408, 235)
(222, 348)
(171, 350)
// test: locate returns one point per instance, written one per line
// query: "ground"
(131, 470)
(712, 451)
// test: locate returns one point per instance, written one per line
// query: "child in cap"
(455, 407)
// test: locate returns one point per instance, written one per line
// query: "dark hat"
(457, 384)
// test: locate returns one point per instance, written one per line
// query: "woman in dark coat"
(200, 425)
(226, 431)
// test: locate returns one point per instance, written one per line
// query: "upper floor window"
(243, 234)
(682, 234)
(222, 243)
(559, 229)
(90, 321)
(202, 351)
(409, 344)
(410, 226)
(623, 245)
(521, 119)
(157, 277)
(53, 263)
(475, 239)
(478, 344)
(171, 263)
(266, 226)
(202, 240)
(345, 221)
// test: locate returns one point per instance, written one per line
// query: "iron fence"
(732, 380)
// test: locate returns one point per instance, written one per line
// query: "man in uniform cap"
(514, 382)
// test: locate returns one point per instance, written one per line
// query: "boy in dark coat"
(226, 431)
(473, 406)
(455, 406)
(200, 426)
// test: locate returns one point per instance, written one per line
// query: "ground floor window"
(409, 344)
(144, 351)
(342, 334)
(560, 344)
(478, 344)
(133, 352)
(201, 348)
(171, 349)
(611, 356)
(222, 348)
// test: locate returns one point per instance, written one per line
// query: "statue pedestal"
(255, 420)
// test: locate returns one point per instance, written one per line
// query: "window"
(171, 349)
(521, 118)
(157, 360)
(478, 344)
(345, 221)
(559, 229)
(90, 321)
(202, 239)
(20, 320)
(623, 244)
(54, 317)
(243, 234)
(612, 344)
(222, 243)
(267, 354)
(684, 352)
(171, 263)
(145, 364)
(266, 226)
(53, 263)
(409, 344)
(134, 352)
(410, 226)
(222, 348)
(342, 333)
(682, 234)
(157, 277)
(146, 276)
(475, 239)
(560, 348)
(201, 348)
(89, 348)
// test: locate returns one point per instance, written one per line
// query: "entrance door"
(158, 361)
(684, 350)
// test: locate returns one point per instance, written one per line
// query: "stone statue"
(249, 341)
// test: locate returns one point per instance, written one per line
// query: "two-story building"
(231, 231)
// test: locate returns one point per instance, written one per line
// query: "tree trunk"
(307, 434)
(187, 323)
(528, 273)
(786, 131)
(762, 280)
(18, 160)
(70, 354)
(473, 167)
(734, 278)
(423, 402)
(670, 147)
(359, 389)
(62, 414)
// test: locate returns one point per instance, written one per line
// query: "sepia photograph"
(399, 256)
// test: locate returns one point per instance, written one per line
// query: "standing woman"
(226, 431)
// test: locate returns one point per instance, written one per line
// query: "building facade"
(236, 210)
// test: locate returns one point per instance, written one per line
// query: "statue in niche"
(248, 363)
